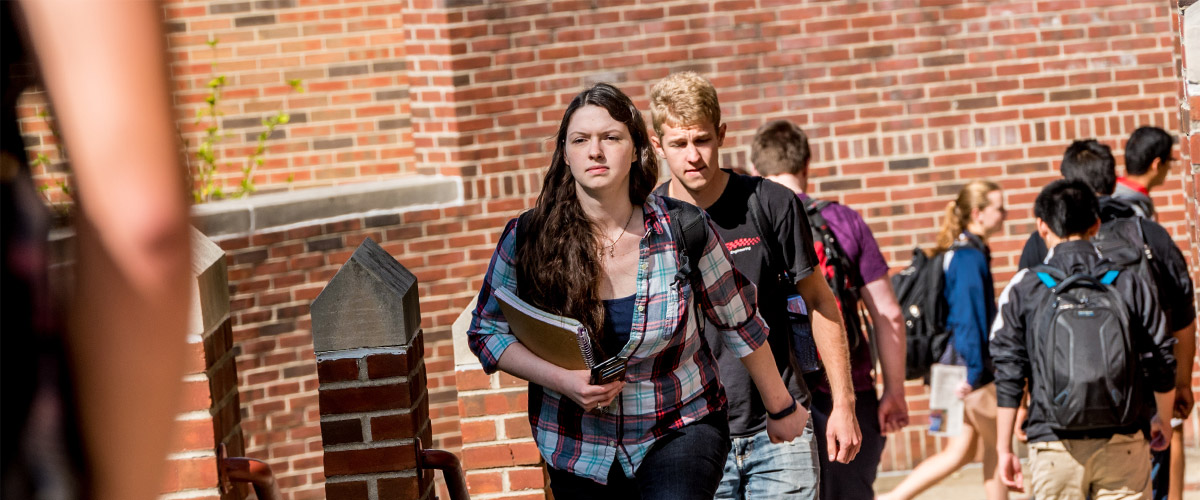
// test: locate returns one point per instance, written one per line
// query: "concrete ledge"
(276, 210)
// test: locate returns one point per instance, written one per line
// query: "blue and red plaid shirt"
(671, 378)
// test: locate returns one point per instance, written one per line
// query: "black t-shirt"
(1169, 267)
(788, 229)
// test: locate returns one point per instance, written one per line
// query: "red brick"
(349, 490)
(362, 399)
(371, 460)
(338, 370)
(402, 426)
(400, 487)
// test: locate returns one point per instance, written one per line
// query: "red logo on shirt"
(741, 243)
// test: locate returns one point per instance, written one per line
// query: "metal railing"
(246, 470)
(448, 463)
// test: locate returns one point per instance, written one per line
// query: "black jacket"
(1169, 266)
(1012, 332)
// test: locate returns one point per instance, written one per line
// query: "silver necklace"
(612, 249)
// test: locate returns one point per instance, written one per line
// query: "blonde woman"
(977, 214)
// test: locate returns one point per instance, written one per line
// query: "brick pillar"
(499, 456)
(211, 415)
(373, 397)
(1187, 54)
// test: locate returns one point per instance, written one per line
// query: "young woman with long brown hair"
(599, 247)
(975, 215)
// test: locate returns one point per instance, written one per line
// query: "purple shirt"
(859, 244)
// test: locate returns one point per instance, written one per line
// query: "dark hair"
(1143, 146)
(1069, 207)
(1091, 162)
(557, 266)
(780, 147)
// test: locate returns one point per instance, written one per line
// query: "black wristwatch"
(784, 412)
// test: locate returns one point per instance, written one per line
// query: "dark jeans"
(855, 480)
(683, 465)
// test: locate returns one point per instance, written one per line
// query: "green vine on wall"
(63, 207)
(205, 185)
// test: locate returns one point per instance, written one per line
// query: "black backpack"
(1122, 242)
(919, 292)
(803, 345)
(839, 271)
(1084, 362)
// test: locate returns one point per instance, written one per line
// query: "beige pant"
(1102, 469)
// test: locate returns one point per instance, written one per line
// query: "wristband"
(784, 412)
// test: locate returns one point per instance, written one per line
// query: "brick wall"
(275, 276)
(350, 124)
(905, 100)
(1187, 48)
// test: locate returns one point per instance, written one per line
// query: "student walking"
(1091, 342)
(1149, 156)
(856, 270)
(598, 247)
(1092, 163)
(768, 236)
(977, 214)
(1148, 161)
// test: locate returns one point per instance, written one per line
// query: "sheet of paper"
(945, 408)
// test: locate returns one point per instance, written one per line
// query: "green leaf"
(43, 188)
(212, 42)
(284, 117)
(291, 177)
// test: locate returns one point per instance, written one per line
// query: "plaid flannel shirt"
(671, 378)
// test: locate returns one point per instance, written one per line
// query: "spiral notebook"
(558, 339)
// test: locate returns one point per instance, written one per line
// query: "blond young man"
(688, 134)
(780, 152)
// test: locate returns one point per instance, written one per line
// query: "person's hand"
(1184, 401)
(1019, 431)
(842, 435)
(787, 428)
(893, 411)
(963, 389)
(576, 385)
(1010, 471)
(1160, 433)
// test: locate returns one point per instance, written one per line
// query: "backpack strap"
(688, 228)
(1049, 275)
(813, 208)
(758, 216)
(1058, 282)
(522, 223)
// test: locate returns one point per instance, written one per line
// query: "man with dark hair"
(1147, 163)
(1088, 427)
(780, 153)
(1090, 162)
